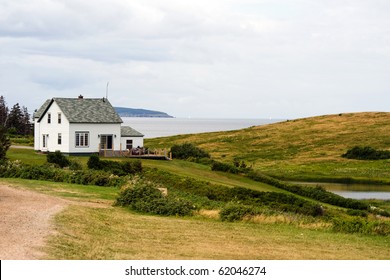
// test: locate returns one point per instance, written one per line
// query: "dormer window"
(59, 117)
(48, 118)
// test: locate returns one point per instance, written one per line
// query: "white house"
(82, 126)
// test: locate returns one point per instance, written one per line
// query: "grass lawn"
(116, 233)
(90, 232)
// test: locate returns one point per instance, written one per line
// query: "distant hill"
(301, 149)
(140, 113)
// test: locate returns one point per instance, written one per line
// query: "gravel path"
(25, 222)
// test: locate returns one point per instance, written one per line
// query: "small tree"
(15, 119)
(3, 111)
(26, 124)
(4, 142)
(187, 150)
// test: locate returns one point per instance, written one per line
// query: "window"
(48, 118)
(59, 138)
(82, 139)
(129, 144)
(59, 117)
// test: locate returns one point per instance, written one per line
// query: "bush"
(47, 173)
(75, 165)
(94, 162)
(145, 197)
(224, 167)
(4, 142)
(362, 226)
(317, 193)
(57, 158)
(366, 153)
(219, 193)
(355, 225)
(115, 167)
(236, 212)
(235, 168)
(188, 150)
(358, 213)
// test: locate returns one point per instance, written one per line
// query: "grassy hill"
(303, 149)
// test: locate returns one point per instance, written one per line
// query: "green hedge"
(274, 200)
(145, 197)
(58, 158)
(366, 153)
(236, 212)
(116, 167)
(360, 225)
(48, 173)
(188, 150)
(317, 193)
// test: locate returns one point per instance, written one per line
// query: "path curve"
(25, 222)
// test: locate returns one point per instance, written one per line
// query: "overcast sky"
(200, 58)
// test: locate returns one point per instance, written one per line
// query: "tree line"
(15, 121)
(12, 122)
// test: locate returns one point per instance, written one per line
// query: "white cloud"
(200, 58)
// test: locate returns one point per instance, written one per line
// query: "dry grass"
(114, 233)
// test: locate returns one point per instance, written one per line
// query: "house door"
(106, 142)
(45, 138)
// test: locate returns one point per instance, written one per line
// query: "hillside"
(130, 112)
(302, 149)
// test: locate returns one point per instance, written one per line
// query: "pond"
(356, 191)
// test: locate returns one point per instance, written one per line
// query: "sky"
(200, 59)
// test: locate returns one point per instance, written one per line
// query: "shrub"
(115, 167)
(235, 212)
(48, 173)
(358, 213)
(94, 162)
(355, 225)
(317, 193)
(235, 168)
(366, 153)
(4, 142)
(224, 167)
(75, 165)
(187, 150)
(145, 197)
(219, 193)
(360, 225)
(57, 158)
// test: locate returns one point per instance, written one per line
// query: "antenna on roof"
(107, 90)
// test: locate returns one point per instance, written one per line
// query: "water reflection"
(356, 191)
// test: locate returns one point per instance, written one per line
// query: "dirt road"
(25, 222)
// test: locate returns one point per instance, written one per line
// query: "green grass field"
(307, 149)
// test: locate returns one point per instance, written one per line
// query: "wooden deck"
(161, 154)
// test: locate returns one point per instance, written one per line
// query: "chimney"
(81, 97)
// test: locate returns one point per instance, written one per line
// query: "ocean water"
(159, 127)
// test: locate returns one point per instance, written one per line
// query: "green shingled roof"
(86, 110)
(127, 131)
(42, 109)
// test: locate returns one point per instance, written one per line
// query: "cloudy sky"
(203, 58)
